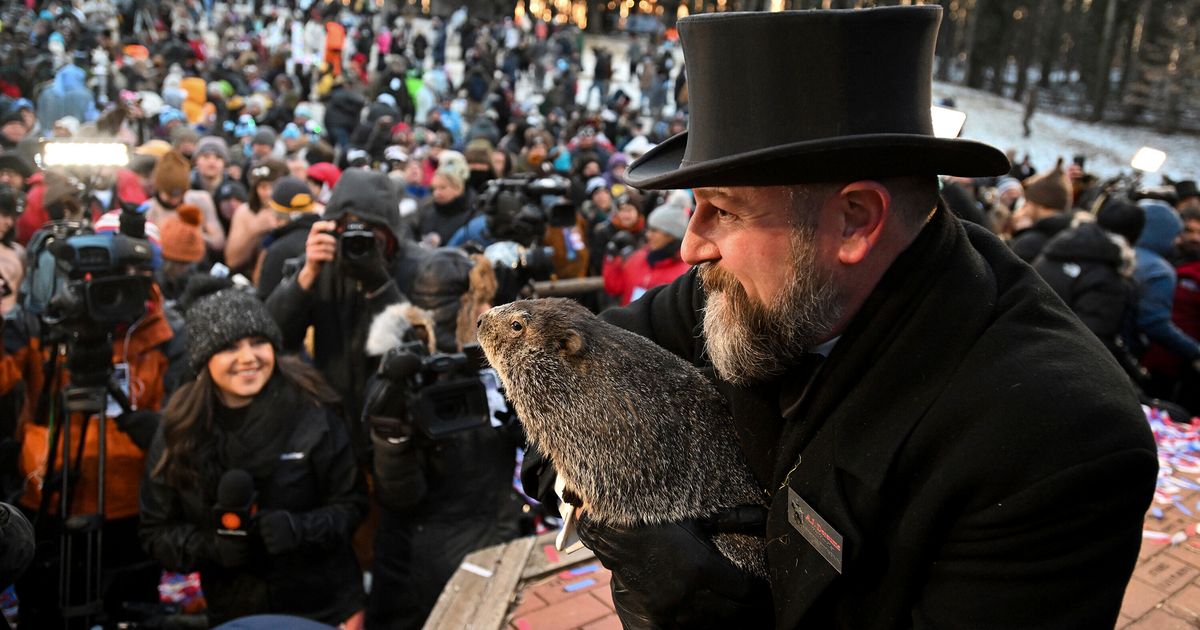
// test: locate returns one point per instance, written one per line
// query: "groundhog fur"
(636, 432)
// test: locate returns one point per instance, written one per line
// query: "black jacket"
(1028, 243)
(1084, 266)
(283, 244)
(445, 220)
(982, 456)
(311, 473)
(341, 316)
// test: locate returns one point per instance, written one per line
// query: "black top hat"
(804, 96)
(1186, 188)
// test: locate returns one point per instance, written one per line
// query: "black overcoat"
(979, 452)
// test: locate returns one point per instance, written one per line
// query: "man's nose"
(697, 248)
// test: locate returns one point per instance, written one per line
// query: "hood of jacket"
(1162, 226)
(1087, 242)
(70, 78)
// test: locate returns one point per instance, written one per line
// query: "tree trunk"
(1049, 46)
(1098, 84)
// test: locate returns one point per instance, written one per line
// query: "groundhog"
(635, 432)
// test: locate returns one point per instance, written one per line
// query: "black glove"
(671, 575)
(231, 551)
(371, 269)
(621, 244)
(278, 531)
(140, 425)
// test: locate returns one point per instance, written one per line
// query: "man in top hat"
(940, 442)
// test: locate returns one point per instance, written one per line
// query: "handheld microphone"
(236, 503)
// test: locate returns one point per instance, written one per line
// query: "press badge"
(820, 534)
(121, 374)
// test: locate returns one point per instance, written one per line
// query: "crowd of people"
(318, 187)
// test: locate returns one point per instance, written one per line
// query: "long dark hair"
(189, 459)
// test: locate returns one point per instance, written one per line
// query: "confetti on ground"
(1178, 474)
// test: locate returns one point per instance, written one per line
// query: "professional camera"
(356, 241)
(106, 284)
(519, 208)
(437, 394)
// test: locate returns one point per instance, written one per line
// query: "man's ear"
(572, 342)
(865, 207)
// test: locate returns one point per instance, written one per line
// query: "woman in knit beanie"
(256, 430)
(182, 248)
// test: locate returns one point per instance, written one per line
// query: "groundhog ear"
(572, 342)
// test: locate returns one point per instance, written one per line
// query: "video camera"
(518, 211)
(437, 394)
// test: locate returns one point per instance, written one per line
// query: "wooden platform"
(526, 585)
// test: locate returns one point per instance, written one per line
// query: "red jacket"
(128, 188)
(630, 278)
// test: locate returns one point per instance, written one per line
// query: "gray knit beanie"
(668, 218)
(214, 145)
(222, 318)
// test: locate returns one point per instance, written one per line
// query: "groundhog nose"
(479, 322)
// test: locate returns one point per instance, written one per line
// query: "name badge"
(819, 533)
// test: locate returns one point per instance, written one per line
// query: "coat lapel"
(839, 440)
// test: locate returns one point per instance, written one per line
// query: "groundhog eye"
(517, 326)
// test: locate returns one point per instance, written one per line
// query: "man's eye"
(722, 214)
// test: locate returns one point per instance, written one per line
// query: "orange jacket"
(125, 462)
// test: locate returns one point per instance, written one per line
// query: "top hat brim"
(823, 160)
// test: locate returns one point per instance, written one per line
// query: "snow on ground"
(1109, 148)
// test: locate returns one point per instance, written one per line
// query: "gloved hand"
(140, 425)
(671, 575)
(621, 244)
(277, 528)
(231, 551)
(370, 268)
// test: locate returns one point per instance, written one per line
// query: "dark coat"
(1084, 267)
(283, 244)
(983, 457)
(341, 317)
(319, 483)
(1028, 243)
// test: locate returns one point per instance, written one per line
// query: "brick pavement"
(570, 600)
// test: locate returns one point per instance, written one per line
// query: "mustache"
(717, 280)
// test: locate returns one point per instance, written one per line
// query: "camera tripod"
(81, 537)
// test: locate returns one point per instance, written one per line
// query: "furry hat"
(172, 174)
(219, 319)
(1050, 189)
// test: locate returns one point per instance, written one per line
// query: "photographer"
(443, 493)
(355, 265)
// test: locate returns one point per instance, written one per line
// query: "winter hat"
(596, 183)
(172, 173)
(325, 173)
(1121, 216)
(479, 151)
(265, 135)
(216, 320)
(291, 132)
(180, 235)
(231, 190)
(1050, 189)
(668, 218)
(455, 164)
(154, 148)
(1162, 226)
(267, 170)
(290, 195)
(1006, 184)
(212, 145)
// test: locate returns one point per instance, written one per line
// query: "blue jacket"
(1156, 280)
(68, 96)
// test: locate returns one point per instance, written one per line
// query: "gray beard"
(748, 341)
